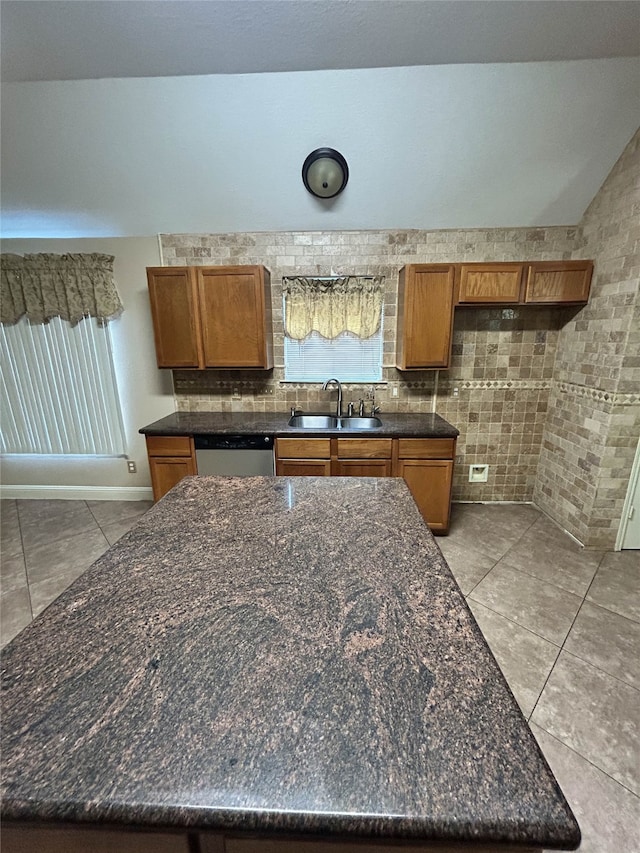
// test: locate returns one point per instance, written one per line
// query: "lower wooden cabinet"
(171, 457)
(425, 463)
(429, 481)
(427, 467)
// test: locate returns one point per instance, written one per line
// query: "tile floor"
(562, 622)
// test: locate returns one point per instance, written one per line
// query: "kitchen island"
(268, 659)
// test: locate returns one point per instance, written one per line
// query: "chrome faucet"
(335, 382)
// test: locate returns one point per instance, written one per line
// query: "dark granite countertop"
(270, 655)
(275, 423)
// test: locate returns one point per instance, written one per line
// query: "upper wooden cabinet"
(490, 283)
(558, 281)
(211, 316)
(428, 294)
(174, 310)
(425, 316)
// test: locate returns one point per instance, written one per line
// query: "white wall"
(146, 393)
(448, 146)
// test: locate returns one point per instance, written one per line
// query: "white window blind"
(347, 357)
(58, 393)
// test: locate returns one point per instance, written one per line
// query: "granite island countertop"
(273, 655)
(399, 424)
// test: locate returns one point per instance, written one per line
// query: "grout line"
(603, 671)
(519, 624)
(584, 598)
(575, 752)
(24, 558)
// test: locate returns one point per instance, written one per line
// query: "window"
(58, 392)
(347, 357)
(333, 327)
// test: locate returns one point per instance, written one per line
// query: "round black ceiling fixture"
(325, 172)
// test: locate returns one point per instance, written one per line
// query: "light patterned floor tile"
(594, 714)
(549, 554)
(608, 641)
(524, 658)
(608, 814)
(541, 607)
(616, 585)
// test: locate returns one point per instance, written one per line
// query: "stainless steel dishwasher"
(234, 455)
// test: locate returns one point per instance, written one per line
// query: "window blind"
(347, 357)
(58, 393)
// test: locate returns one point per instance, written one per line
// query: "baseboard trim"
(78, 493)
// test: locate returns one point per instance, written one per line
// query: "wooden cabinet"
(558, 282)
(171, 457)
(303, 457)
(208, 317)
(485, 283)
(174, 311)
(428, 294)
(425, 463)
(363, 457)
(425, 316)
(427, 467)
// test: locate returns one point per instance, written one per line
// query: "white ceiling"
(76, 39)
(132, 118)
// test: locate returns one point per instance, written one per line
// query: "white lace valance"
(68, 286)
(331, 306)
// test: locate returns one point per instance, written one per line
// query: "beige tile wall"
(502, 358)
(593, 425)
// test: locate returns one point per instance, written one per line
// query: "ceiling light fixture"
(325, 172)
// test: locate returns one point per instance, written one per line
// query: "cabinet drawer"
(364, 448)
(426, 448)
(303, 448)
(169, 445)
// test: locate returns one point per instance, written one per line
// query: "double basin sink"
(332, 422)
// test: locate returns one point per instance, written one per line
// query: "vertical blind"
(58, 393)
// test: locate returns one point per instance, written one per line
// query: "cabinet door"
(425, 316)
(554, 281)
(234, 317)
(167, 471)
(490, 283)
(429, 481)
(174, 311)
(303, 467)
(363, 468)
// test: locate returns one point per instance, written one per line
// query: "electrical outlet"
(478, 473)
(132, 467)
(236, 394)
(394, 391)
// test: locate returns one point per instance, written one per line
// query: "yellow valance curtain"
(331, 306)
(68, 286)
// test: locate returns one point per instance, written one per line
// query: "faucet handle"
(361, 409)
(350, 410)
(374, 410)
(295, 411)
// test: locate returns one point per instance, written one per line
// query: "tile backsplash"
(520, 383)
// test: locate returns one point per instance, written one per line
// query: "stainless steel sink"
(330, 422)
(313, 422)
(360, 423)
